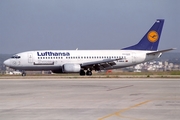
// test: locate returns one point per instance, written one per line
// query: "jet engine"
(71, 68)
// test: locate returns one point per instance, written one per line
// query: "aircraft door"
(133, 57)
(30, 57)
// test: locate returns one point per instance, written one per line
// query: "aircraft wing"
(98, 65)
(160, 51)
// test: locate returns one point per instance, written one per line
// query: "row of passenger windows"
(83, 57)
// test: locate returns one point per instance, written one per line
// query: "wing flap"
(100, 64)
(106, 61)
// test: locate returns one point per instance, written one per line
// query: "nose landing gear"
(23, 73)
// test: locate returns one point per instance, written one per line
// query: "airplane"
(85, 61)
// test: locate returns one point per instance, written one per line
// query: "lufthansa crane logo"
(152, 36)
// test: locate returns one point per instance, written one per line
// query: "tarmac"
(90, 99)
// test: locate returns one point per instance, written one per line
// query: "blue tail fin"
(151, 39)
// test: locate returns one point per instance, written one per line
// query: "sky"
(84, 24)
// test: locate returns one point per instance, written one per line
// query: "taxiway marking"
(118, 113)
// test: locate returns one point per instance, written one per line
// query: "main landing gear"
(83, 73)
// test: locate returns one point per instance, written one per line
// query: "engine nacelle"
(71, 68)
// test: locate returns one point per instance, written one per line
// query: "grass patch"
(175, 72)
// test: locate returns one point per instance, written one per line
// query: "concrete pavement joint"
(120, 87)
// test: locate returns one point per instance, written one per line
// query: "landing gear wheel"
(82, 73)
(23, 74)
(89, 73)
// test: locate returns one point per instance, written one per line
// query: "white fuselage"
(55, 59)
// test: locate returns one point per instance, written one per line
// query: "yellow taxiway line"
(118, 113)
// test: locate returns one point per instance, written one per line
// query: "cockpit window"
(16, 56)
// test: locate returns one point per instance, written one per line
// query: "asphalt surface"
(90, 99)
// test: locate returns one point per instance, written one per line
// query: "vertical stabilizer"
(151, 39)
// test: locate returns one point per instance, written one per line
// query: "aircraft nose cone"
(7, 62)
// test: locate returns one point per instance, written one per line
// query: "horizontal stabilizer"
(160, 51)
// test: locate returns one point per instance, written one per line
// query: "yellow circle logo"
(152, 36)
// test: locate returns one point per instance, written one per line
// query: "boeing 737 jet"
(84, 61)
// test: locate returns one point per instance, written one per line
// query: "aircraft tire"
(89, 73)
(23, 74)
(82, 73)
